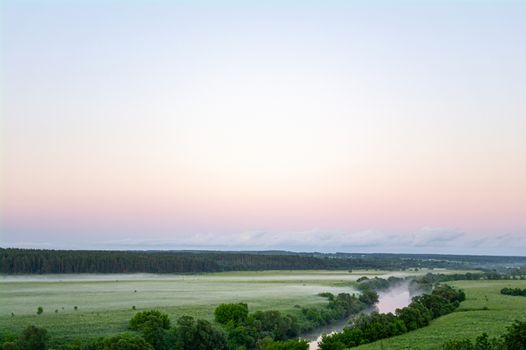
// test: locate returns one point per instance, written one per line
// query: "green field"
(105, 301)
(469, 321)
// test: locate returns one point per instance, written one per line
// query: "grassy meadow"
(469, 321)
(104, 302)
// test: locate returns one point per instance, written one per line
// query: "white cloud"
(423, 240)
(435, 236)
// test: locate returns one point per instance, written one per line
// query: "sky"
(355, 126)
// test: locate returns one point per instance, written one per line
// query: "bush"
(515, 338)
(368, 296)
(141, 317)
(10, 345)
(286, 345)
(234, 313)
(85, 344)
(513, 291)
(327, 295)
(126, 341)
(153, 332)
(279, 327)
(6, 336)
(33, 338)
(241, 337)
(189, 334)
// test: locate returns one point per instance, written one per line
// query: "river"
(395, 298)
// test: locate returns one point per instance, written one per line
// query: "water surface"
(395, 298)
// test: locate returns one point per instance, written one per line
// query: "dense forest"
(17, 261)
(27, 261)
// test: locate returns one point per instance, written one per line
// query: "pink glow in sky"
(359, 126)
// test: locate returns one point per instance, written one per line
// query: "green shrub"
(126, 341)
(286, 345)
(234, 313)
(33, 338)
(10, 345)
(141, 317)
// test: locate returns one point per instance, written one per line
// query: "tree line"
(369, 328)
(40, 261)
(513, 291)
(432, 278)
(29, 261)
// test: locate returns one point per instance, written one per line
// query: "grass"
(105, 301)
(469, 321)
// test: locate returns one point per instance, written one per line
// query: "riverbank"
(394, 298)
(484, 310)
